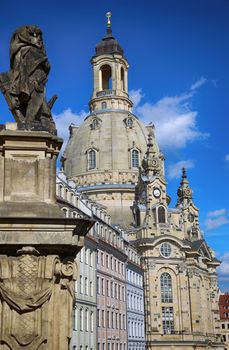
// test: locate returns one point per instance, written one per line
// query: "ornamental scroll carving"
(29, 283)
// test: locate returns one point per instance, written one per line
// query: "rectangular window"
(124, 321)
(107, 261)
(102, 286)
(103, 318)
(81, 284)
(86, 285)
(91, 289)
(108, 289)
(123, 294)
(86, 255)
(167, 320)
(81, 319)
(91, 258)
(102, 259)
(98, 318)
(116, 320)
(108, 319)
(98, 285)
(92, 321)
(116, 291)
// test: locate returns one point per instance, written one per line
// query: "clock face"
(156, 192)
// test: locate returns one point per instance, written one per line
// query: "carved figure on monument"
(24, 85)
(28, 285)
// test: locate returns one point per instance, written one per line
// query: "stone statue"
(24, 85)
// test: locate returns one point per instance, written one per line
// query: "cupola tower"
(110, 74)
(103, 153)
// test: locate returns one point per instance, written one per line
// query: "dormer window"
(91, 158)
(95, 124)
(134, 158)
(128, 122)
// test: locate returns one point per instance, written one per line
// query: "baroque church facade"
(113, 162)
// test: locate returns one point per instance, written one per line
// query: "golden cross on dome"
(108, 15)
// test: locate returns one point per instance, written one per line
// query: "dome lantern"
(110, 74)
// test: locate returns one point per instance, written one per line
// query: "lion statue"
(24, 85)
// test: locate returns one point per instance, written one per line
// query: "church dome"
(112, 142)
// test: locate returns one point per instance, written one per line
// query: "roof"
(108, 45)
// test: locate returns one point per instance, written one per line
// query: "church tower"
(180, 281)
(103, 154)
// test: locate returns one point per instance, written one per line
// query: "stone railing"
(107, 92)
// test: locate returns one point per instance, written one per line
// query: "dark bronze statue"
(24, 85)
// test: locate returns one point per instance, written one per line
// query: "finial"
(184, 175)
(108, 15)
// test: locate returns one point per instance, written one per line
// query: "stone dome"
(113, 136)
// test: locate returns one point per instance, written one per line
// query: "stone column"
(37, 246)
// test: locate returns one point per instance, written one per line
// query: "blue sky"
(178, 51)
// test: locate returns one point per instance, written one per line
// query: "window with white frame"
(134, 158)
(167, 320)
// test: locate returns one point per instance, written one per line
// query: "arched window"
(91, 159)
(104, 105)
(106, 77)
(135, 158)
(122, 79)
(161, 215)
(166, 288)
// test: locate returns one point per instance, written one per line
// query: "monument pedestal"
(37, 246)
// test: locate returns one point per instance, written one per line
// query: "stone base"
(28, 168)
(37, 275)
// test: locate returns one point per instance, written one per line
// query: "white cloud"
(136, 96)
(173, 117)
(65, 119)
(216, 218)
(175, 170)
(216, 213)
(227, 157)
(198, 83)
(213, 223)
